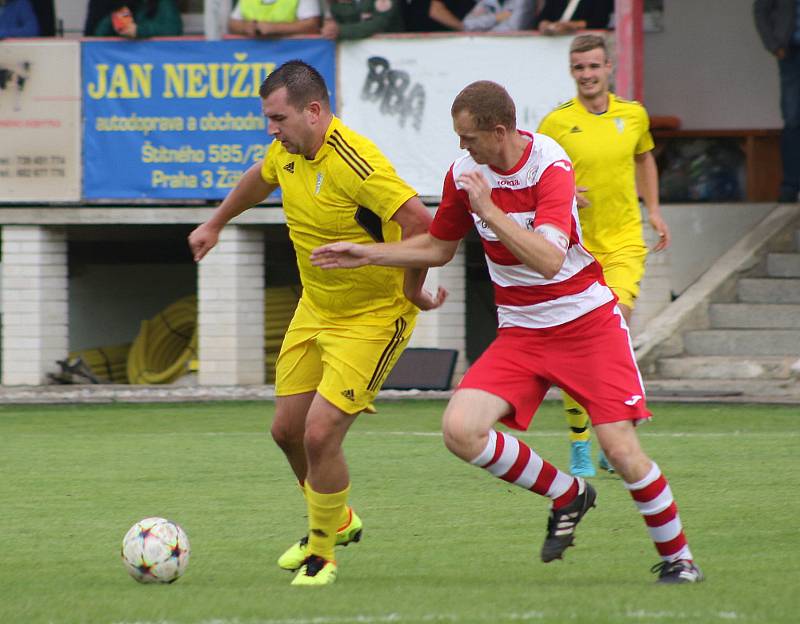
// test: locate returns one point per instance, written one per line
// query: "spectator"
(358, 19)
(501, 15)
(134, 19)
(254, 18)
(436, 15)
(564, 17)
(778, 24)
(17, 19)
(46, 16)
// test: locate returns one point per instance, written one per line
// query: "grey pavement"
(688, 391)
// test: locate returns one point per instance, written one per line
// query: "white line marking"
(640, 614)
(559, 434)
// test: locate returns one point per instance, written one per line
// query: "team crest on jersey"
(620, 123)
(319, 184)
(289, 167)
(529, 223)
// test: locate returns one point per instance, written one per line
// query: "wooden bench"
(761, 148)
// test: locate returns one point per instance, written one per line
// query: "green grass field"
(443, 541)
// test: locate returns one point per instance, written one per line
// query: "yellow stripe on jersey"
(327, 199)
(602, 148)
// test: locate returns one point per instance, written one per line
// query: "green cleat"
(315, 572)
(296, 554)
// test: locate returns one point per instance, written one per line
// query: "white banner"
(398, 92)
(40, 120)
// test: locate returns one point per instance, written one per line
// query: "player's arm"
(307, 26)
(414, 219)
(439, 12)
(250, 190)
(647, 187)
(421, 251)
(543, 249)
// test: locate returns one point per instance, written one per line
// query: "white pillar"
(230, 315)
(445, 328)
(34, 300)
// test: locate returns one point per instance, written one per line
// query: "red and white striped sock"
(513, 461)
(653, 497)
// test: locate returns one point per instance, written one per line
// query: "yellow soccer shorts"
(623, 270)
(346, 362)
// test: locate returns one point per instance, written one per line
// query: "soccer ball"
(155, 550)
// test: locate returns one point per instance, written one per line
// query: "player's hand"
(479, 191)
(580, 198)
(660, 226)
(340, 255)
(202, 239)
(424, 300)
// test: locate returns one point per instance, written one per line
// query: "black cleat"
(562, 522)
(681, 571)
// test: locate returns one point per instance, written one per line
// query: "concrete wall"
(708, 67)
(108, 302)
(702, 233)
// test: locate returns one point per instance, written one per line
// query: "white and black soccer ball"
(155, 550)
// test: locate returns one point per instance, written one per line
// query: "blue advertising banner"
(180, 119)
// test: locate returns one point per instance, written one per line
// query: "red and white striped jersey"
(539, 190)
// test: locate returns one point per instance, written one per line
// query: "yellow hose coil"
(108, 364)
(166, 347)
(166, 344)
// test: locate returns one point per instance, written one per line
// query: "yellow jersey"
(348, 192)
(602, 148)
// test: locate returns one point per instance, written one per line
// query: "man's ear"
(313, 110)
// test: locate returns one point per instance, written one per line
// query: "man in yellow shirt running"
(608, 140)
(350, 327)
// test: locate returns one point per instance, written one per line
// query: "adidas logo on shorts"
(349, 394)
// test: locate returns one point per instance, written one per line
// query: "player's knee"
(624, 456)
(315, 439)
(286, 437)
(460, 440)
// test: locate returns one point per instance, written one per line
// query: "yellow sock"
(577, 419)
(326, 513)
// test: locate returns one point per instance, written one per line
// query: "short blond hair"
(585, 43)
